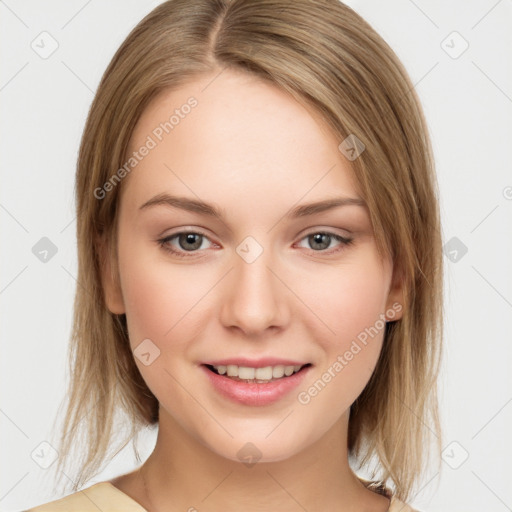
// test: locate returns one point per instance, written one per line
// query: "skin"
(254, 152)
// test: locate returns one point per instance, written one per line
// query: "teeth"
(221, 369)
(260, 374)
(278, 371)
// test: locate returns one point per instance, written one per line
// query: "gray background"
(467, 97)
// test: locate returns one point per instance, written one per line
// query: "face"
(255, 281)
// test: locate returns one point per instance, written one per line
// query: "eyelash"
(163, 243)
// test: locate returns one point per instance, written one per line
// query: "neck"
(189, 475)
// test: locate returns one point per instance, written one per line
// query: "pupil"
(188, 238)
(319, 239)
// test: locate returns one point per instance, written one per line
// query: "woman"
(259, 265)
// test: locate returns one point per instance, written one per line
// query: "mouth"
(263, 375)
(257, 385)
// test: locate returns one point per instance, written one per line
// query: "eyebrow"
(197, 206)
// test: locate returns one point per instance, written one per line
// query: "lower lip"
(252, 393)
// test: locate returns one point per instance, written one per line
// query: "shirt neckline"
(372, 485)
(125, 496)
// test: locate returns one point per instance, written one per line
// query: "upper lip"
(255, 363)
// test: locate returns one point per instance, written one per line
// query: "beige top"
(107, 497)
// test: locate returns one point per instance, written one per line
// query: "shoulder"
(399, 506)
(395, 504)
(101, 496)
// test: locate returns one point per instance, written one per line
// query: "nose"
(255, 298)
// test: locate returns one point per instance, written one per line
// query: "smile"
(261, 375)
(254, 390)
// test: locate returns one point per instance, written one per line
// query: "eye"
(191, 242)
(187, 241)
(321, 240)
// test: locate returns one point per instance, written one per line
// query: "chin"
(256, 449)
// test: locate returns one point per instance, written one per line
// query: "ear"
(110, 279)
(395, 303)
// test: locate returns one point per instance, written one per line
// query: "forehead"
(243, 138)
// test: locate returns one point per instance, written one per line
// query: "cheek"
(159, 297)
(351, 306)
(163, 304)
(349, 299)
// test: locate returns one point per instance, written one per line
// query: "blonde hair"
(327, 57)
